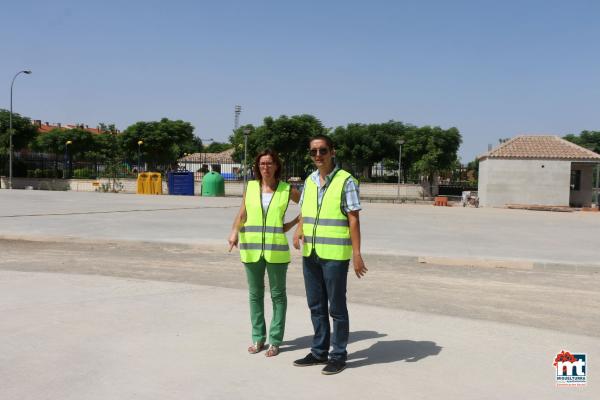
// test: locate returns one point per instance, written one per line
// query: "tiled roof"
(222, 157)
(84, 127)
(47, 127)
(540, 147)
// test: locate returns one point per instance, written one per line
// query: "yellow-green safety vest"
(325, 227)
(262, 233)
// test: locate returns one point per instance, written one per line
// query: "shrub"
(83, 173)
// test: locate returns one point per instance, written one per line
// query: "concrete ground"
(108, 296)
(466, 235)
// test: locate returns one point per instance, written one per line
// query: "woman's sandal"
(273, 351)
(256, 347)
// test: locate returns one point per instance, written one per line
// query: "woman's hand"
(233, 240)
(298, 236)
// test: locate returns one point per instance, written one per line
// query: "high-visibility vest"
(262, 233)
(325, 227)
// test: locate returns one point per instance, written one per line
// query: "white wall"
(541, 182)
(76, 185)
(367, 190)
(232, 188)
(195, 167)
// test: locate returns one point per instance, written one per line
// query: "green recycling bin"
(213, 184)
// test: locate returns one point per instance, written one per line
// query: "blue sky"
(493, 69)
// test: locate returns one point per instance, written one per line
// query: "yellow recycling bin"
(142, 183)
(149, 183)
(155, 183)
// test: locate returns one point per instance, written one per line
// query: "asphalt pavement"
(113, 296)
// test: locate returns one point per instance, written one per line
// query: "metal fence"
(44, 165)
(232, 171)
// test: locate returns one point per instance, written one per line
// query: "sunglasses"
(320, 151)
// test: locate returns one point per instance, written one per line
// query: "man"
(330, 231)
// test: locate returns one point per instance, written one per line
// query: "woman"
(263, 246)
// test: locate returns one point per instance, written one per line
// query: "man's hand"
(233, 240)
(359, 266)
(298, 236)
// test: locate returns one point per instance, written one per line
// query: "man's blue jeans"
(325, 281)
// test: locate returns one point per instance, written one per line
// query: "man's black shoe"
(309, 360)
(334, 367)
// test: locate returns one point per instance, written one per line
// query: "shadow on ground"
(305, 342)
(381, 352)
(384, 352)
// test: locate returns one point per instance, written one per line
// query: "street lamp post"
(400, 143)
(10, 130)
(65, 174)
(140, 143)
(246, 134)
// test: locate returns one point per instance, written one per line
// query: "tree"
(288, 136)
(55, 141)
(587, 139)
(359, 146)
(441, 148)
(24, 131)
(473, 169)
(164, 141)
(196, 146)
(105, 145)
(217, 147)
(52, 142)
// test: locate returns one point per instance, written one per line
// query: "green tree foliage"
(105, 145)
(217, 147)
(50, 142)
(164, 141)
(56, 140)
(288, 136)
(587, 139)
(359, 146)
(473, 168)
(440, 150)
(24, 131)
(425, 150)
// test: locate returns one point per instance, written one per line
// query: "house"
(201, 163)
(537, 170)
(47, 127)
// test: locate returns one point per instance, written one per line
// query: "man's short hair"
(325, 138)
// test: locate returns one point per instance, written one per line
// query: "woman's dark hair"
(325, 138)
(276, 163)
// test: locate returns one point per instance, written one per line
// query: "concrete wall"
(542, 182)
(367, 190)
(76, 185)
(583, 197)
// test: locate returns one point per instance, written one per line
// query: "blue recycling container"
(181, 183)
